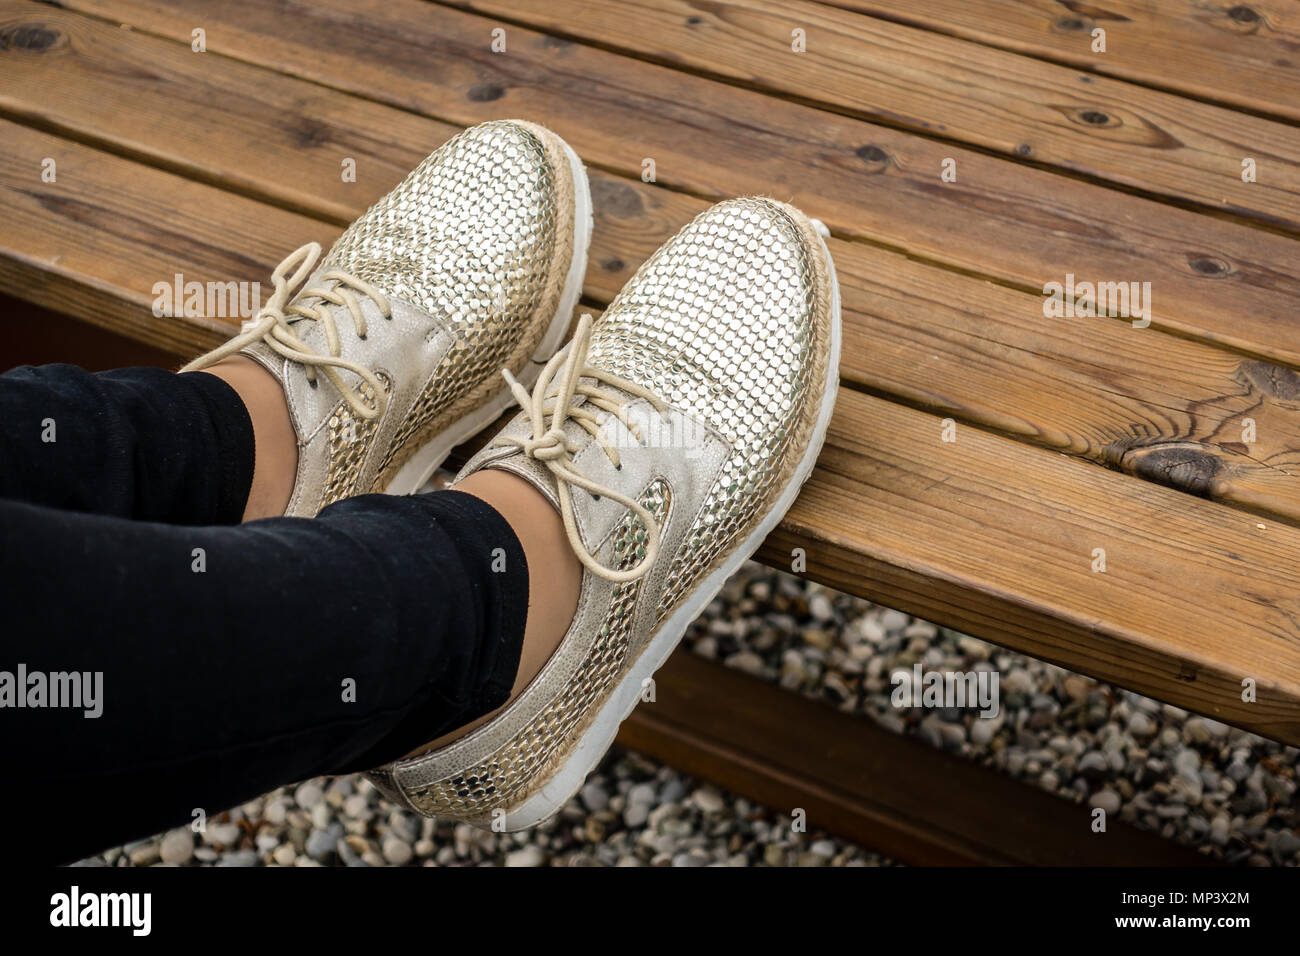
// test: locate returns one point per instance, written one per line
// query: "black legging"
(234, 658)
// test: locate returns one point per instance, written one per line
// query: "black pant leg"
(136, 443)
(238, 659)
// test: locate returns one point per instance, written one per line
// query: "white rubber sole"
(599, 736)
(420, 468)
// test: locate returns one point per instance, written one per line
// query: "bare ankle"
(276, 463)
(554, 574)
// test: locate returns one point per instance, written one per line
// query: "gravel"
(686, 823)
(1228, 793)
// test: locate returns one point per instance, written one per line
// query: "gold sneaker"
(672, 434)
(388, 348)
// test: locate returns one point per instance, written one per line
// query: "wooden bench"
(984, 458)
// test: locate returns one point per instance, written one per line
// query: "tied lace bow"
(272, 326)
(550, 446)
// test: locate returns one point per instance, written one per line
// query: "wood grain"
(1242, 55)
(951, 88)
(94, 242)
(1219, 281)
(999, 540)
(246, 129)
(1167, 409)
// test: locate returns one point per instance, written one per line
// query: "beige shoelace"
(552, 448)
(271, 325)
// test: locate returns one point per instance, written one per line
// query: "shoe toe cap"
(729, 321)
(471, 232)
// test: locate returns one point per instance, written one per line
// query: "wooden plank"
(94, 242)
(951, 88)
(1000, 540)
(1216, 280)
(852, 777)
(243, 128)
(1167, 409)
(1241, 55)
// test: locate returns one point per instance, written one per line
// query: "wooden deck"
(1174, 448)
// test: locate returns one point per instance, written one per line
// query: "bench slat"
(957, 90)
(998, 539)
(93, 243)
(1163, 408)
(1212, 279)
(1242, 55)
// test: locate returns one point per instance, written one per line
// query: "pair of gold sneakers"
(672, 433)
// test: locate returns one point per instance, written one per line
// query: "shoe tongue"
(520, 465)
(512, 459)
(311, 331)
(310, 406)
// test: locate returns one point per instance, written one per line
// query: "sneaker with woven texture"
(672, 435)
(388, 349)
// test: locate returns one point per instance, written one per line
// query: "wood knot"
(1242, 20)
(1188, 466)
(485, 92)
(1212, 267)
(307, 133)
(1275, 381)
(1096, 118)
(1071, 24)
(872, 155)
(31, 37)
(616, 198)
(1187, 672)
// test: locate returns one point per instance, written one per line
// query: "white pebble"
(177, 846)
(396, 852)
(308, 794)
(285, 854)
(531, 855)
